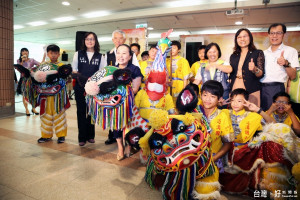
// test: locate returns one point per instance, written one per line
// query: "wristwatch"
(287, 65)
(260, 110)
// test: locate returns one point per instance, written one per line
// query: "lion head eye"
(156, 141)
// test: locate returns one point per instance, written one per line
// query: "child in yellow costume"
(245, 124)
(181, 71)
(196, 65)
(146, 65)
(282, 112)
(53, 98)
(149, 99)
(222, 132)
(251, 166)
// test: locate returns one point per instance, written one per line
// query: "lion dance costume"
(179, 156)
(110, 97)
(49, 85)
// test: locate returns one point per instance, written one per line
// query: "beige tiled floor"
(65, 171)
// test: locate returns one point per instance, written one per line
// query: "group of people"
(253, 83)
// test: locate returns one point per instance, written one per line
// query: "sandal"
(119, 158)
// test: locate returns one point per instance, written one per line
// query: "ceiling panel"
(127, 13)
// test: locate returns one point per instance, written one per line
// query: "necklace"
(279, 119)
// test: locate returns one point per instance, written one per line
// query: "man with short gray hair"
(118, 38)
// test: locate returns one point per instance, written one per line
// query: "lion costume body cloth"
(49, 85)
(110, 97)
(262, 162)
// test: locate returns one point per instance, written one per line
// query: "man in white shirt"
(118, 38)
(280, 64)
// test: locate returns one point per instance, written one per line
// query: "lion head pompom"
(158, 118)
(40, 76)
(92, 88)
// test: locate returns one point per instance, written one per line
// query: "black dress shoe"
(110, 141)
(82, 144)
(61, 140)
(91, 140)
(43, 140)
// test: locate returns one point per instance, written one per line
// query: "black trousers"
(86, 130)
(268, 90)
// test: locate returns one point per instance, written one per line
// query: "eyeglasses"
(276, 33)
(282, 102)
(89, 39)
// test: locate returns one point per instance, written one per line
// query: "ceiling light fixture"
(213, 31)
(64, 19)
(238, 23)
(185, 3)
(154, 35)
(104, 39)
(293, 28)
(37, 23)
(96, 14)
(18, 26)
(173, 34)
(150, 28)
(65, 3)
(65, 42)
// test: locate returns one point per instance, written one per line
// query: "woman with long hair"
(28, 63)
(248, 65)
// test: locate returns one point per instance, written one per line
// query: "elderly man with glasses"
(280, 64)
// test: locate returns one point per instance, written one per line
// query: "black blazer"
(251, 82)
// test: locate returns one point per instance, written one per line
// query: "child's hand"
(224, 102)
(251, 106)
(288, 108)
(273, 107)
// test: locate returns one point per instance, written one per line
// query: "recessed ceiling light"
(150, 28)
(64, 19)
(65, 3)
(37, 23)
(238, 23)
(96, 14)
(18, 26)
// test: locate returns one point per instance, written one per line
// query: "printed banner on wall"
(137, 35)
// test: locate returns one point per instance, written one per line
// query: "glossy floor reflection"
(65, 171)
